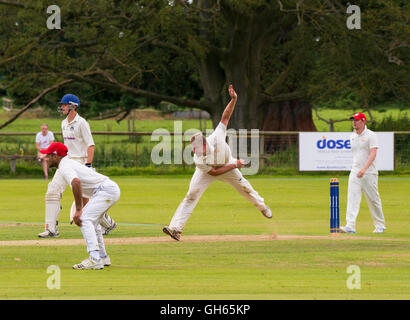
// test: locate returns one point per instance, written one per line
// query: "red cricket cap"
(358, 116)
(57, 148)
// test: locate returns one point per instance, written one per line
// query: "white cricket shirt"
(46, 140)
(90, 179)
(77, 136)
(361, 145)
(218, 152)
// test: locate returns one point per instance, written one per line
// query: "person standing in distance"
(79, 141)
(214, 161)
(363, 177)
(102, 193)
(43, 139)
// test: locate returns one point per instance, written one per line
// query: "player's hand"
(77, 217)
(360, 173)
(232, 92)
(240, 163)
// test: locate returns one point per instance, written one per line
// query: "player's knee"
(88, 220)
(52, 188)
(52, 195)
(87, 224)
(192, 195)
(246, 189)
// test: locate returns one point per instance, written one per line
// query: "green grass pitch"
(313, 266)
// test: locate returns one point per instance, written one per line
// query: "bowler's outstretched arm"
(230, 106)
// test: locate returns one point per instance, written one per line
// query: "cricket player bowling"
(102, 193)
(79, 141)
(214, 161)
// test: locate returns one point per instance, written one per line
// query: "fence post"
(136, 150)
(261, 150)
(128, 127)
(183, 149)
(13, 166)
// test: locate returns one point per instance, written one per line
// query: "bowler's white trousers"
(367, 185)
(200, 182)
(103, 198)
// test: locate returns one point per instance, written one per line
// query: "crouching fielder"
(102, 194)
(214, 161)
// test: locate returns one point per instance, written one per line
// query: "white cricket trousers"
(103, 198)
(200, 182)
(367, 185)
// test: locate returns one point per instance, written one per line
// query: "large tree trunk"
(295, 115)
(241, 63)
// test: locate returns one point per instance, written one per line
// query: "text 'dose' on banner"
(331, 151)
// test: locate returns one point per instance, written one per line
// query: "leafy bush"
(390, 123)
(401, 141)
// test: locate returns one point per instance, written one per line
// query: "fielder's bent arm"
(226, 168)
(77, 192)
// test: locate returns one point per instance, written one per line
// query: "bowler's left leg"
(236, 179)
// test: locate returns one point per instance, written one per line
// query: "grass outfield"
(303, 268)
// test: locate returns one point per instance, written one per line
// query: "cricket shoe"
(89, 263)
(379, 230)
(106, 261)
(267, 213)
(107, 231)
(48, 234)
(346, 229)
(174, 234)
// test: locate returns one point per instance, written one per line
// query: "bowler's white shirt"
(218, 152)
(90, 179)
(77, 136)
(46, 140)
(361, 145)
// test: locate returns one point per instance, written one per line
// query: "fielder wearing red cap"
(56, 148)
(102, 193)
(358, 116)
(363, 177)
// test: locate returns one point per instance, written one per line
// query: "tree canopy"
(281, 56)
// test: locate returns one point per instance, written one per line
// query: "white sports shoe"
(267, 213)
(379, 230)
(346, 229)
(48, 234)
(176, 235)
(89, 263)
(106, 261)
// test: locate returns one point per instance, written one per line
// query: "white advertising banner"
(331, 151)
